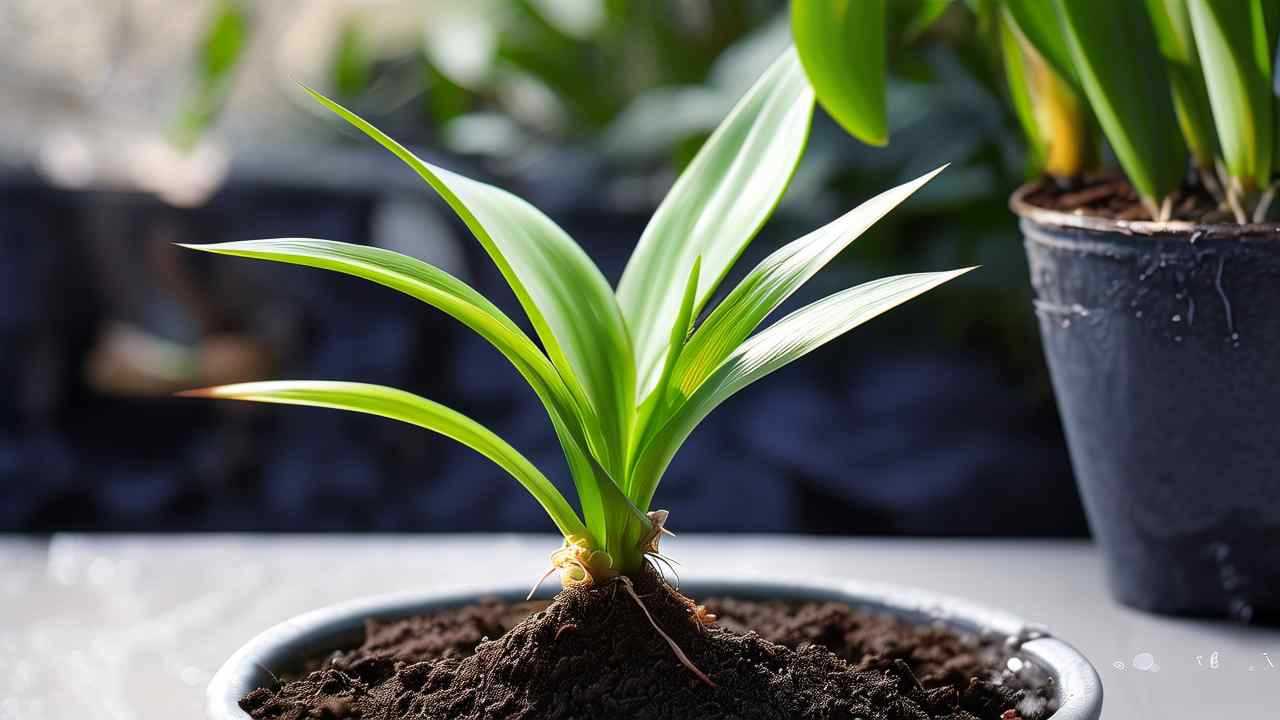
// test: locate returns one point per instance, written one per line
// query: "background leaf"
(1040, 24)
(407, 407)
(1130, 98)
(1232, 40)
(923, 16)
(1172, 25)
(222, 47)
(1052, 116)
(842, 46)
(1017, 73)
(715, 208)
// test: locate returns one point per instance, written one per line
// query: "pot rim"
(1077, 686)
(1057, 218)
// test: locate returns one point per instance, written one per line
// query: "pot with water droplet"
(1163, 344)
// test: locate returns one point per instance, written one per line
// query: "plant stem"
(1233, 202)
(1209, 179)
(1264, 204)
(1152, 208)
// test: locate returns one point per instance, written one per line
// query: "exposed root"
(668, 563)
(684, 659)
(538, 584)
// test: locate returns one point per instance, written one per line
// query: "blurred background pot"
(1163, 344)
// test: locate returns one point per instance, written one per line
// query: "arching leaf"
(716, 207)
(786, 340)
(571, 306)
(409, 408)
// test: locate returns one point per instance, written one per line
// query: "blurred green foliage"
(220, 50)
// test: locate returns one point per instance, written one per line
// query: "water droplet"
(1066, 322)
(1176, 318)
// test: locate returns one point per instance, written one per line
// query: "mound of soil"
(593, 654)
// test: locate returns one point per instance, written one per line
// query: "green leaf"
(781, 343)
(1018, 73)
(1232, 38)
(675, 346)
(1039, 22)
(221, 49)
(716, 206)
(1130, 97)
(1053, 117)
(842, 46)
(923, 16)
(1271, 10)
(409, 408)
(1172, 25)
(774, 280)
(351, 68)
(459, 300)
(568, 300)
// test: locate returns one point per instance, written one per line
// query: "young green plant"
(624, 376)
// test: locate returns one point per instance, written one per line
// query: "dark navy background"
(904, 426)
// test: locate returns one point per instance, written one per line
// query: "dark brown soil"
(1111, 196)
(592, 654)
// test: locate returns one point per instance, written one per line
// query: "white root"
(538, 584)
(668, 563)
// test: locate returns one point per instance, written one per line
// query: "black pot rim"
(1078, 687)
(1056, 218)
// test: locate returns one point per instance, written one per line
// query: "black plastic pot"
(1163, 343)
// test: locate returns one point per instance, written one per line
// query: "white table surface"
(131, 627)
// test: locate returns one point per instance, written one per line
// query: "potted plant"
(625, 377)
(1153, 288)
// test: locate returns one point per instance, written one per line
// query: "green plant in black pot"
(1155, 284)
